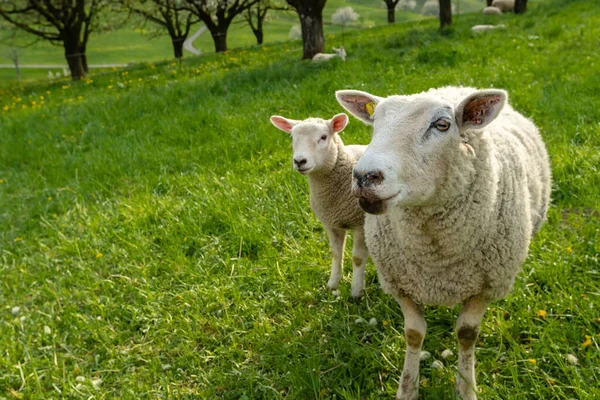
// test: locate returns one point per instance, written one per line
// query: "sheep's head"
(415, 140)
(313, 140)
(341, 52)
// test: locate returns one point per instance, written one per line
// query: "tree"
(520, 6)
(64, 22)
(217, 15)
(489, 2)
(344, 16)
(445, 14)
(256, 15)
(168, 15)
(391, 10)
(311, 23)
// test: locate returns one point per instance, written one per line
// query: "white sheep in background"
(338, 52)
(484, 28)
(504, 5)
(320, 154)
(456, 183)
(492, 11)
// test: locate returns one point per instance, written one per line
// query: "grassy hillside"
(155, 242)
(134, 44)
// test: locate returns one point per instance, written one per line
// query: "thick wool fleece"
(330, 197)
(475, 239)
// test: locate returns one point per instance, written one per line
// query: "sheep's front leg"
(360, 255)
(414, 332)
(337, 239)
(467, 330)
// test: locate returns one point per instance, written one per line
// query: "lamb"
(338, 52)
(455, 183)
(320, 154)
(492, 11)
(504, 5)
(484, 28)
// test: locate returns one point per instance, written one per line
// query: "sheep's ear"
(360, 104)
(338, 122)
(282, 123)
(480, 108)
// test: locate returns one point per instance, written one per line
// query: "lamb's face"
(311, 144)
(412, 136)
(312, 140)
(415, 140)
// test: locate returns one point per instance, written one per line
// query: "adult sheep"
(504, 5)
(455, 183)
(492, 11)
(320, 154)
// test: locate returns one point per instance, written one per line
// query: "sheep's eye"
(442, 125)
(324, 137)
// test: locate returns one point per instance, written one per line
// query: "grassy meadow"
(156, 243)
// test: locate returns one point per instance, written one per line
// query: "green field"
(134, 44)
(156, 243)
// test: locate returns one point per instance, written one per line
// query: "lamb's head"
(341, 52)
(415, 141)
(314, 141)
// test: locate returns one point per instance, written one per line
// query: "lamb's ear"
(338, 122)
(282, 123)
(360, 104)
(480, 108)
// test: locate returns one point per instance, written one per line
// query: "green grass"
(154, 236)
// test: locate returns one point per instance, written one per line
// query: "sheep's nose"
(299, 161)
(368, 178)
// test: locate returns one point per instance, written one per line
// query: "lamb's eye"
(324, 137)
(442, 125)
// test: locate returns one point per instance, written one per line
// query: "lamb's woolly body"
(492, 11)
(474, 242)
(504, 5)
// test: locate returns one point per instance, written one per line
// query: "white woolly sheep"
(504, 5)
(483, 28)
(338, 52)
(320, 154)
(492, 11)
(455, 183)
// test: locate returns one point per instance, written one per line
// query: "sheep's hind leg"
(467, 330)
(360, 255)
(337, 240)
(414, 332)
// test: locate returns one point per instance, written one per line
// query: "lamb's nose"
(300, 161)
(368, 178)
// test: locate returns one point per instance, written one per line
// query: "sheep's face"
(415, 140)
(313, 141)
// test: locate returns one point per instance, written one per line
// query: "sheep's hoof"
(333, 284)
(357, 293)
(464, 391)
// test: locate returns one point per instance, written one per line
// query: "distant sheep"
(338, 52)
(320, 154)
(484, 28)
(504, 5)
(455, 183)
(492, 11)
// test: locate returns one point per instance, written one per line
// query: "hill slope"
(154, 240)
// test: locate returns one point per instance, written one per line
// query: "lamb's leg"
(467, 330)
(360, 255)
(337, 240)
(414, 332)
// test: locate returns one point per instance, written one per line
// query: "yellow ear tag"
(370, 108)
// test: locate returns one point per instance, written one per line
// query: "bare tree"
(520, 6)
(63, 22)
(256, 15)
(217, 15)
(311, 22)
(169, 15)
(445, 14)
(391, 10)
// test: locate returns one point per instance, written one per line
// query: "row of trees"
(69, 23)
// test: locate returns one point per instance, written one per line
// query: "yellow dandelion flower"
(532, 361)
(551, 381)
(65, 86)
(49, 198)
(18, 99)
(588, 341)
(47, 92)
(1, 181)
(110, 86)
(18, 239)
(33, 103)
(185, 239)
(99, 255)
(6, 108)
(542, 313)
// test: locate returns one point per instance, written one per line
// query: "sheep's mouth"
(376, 206)
(304, 170)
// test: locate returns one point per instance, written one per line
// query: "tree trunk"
(74, 59)
(391, 14)
(178, 46)
(489, 2)
(312, 32)
(445, 14)
(220, 39)
(520, 6)
(84, 62)
(259, 36)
